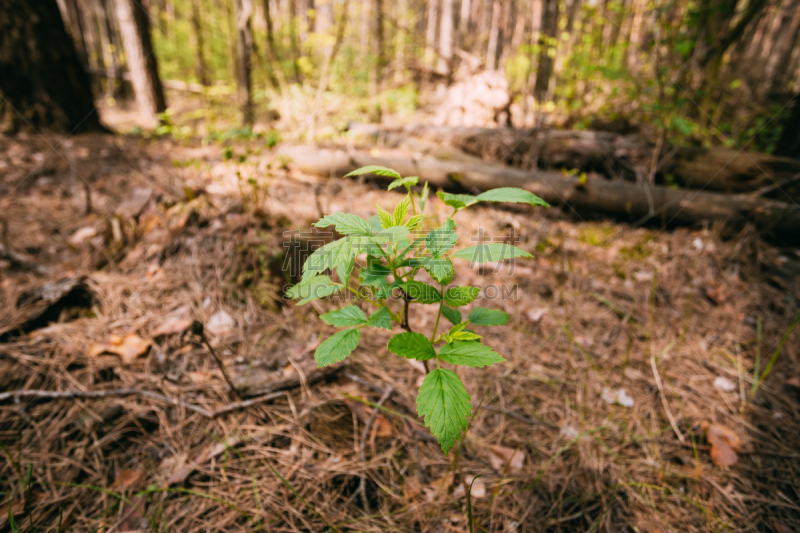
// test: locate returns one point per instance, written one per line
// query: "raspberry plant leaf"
(337, 347)
(472, 354)
(445, 405)
(481, 316)
(346, 317)
(490, 253)
(394, 257)
(412, 346)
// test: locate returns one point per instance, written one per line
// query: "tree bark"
(201, 69)
(41, 75)
(494, 35)
(134, 25)
(244, 47)
(635, 203)
(430, 32)
(376, 65)
(446, 39)
(546, 41)
(272, 51)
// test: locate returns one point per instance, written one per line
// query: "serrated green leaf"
(313, 288)
(490, 253)
(452, 315)
(413, 222)
(444, 403)
(374, 274)
(421, 292)
(345, 269)
(346, 317)
(457, 201)
(333, 254)
(380, 319)
(465, 335)
(386, 290)
(404, 182)
(337, 347)
(346, 224)
(481, 316)
(385, 218)
(423, 198)
(458, 296)
(512, 194)
(439, 268)
(401, 212)
(441, 239)
(471, 354)
(412, 346)
(375, 169)
(375, 223)
(402, 253)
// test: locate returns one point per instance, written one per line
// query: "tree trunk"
(546, 41)
(402, 36)
(789, 141)
(293, 38)
(72, 19)
(41, 75)
(446, 39)
(201, 69)
(777, 67)
(272, 52)
(134, 25)
(430, 32)
(376, 66)
(244, 46)
(326, 70)
(635, 203)
(494, 35)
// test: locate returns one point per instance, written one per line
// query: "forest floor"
(682, 320)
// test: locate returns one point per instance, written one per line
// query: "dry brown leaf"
(200, 376)
(181, 467)
(132, 519)
(127, 347)
(724, 444)
(438, 489)
(126, 479)
(177, 321)
(500, 456)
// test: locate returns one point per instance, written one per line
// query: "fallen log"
(613, 155)
(636, 203)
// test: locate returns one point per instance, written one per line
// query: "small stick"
(362, 486)
(664, 401)
(197, 329)
(87, 193)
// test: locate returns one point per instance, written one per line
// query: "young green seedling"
(397, 248)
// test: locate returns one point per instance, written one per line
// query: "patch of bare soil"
(627, 402)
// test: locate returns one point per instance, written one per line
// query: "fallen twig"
(664, 401)
(197, 329)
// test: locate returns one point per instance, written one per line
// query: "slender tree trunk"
(244, 49)
(494, 35)
(446, 39)
(272, 52)
(134, 25)
(376, 66)
(72, 19)
(294, 45)
(777, 68)
(430, 32)
(547, 43)
(464, 23)
(326, 70)
(201, 69)
(402, 35)
(41, 75)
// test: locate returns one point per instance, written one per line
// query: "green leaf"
(375, 223)
(337, 347)
(481, 316)
(452, 315)
(490, 253)
(444, 403)
(413, 222)
(439, 268)
(412, 346)
(465, 335)
(404, 182)
(333, 254)
(421, 292)
(380, 319)
(345, 269)
(401, 212)
(385, 217)
(440, 240)
(375, 169)
(346, 224)
(313, 288)
(374, 274)
(471, 354)
(458, 296)
(512, 194)
(457, 201)
(423, 198)
(345, 317)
